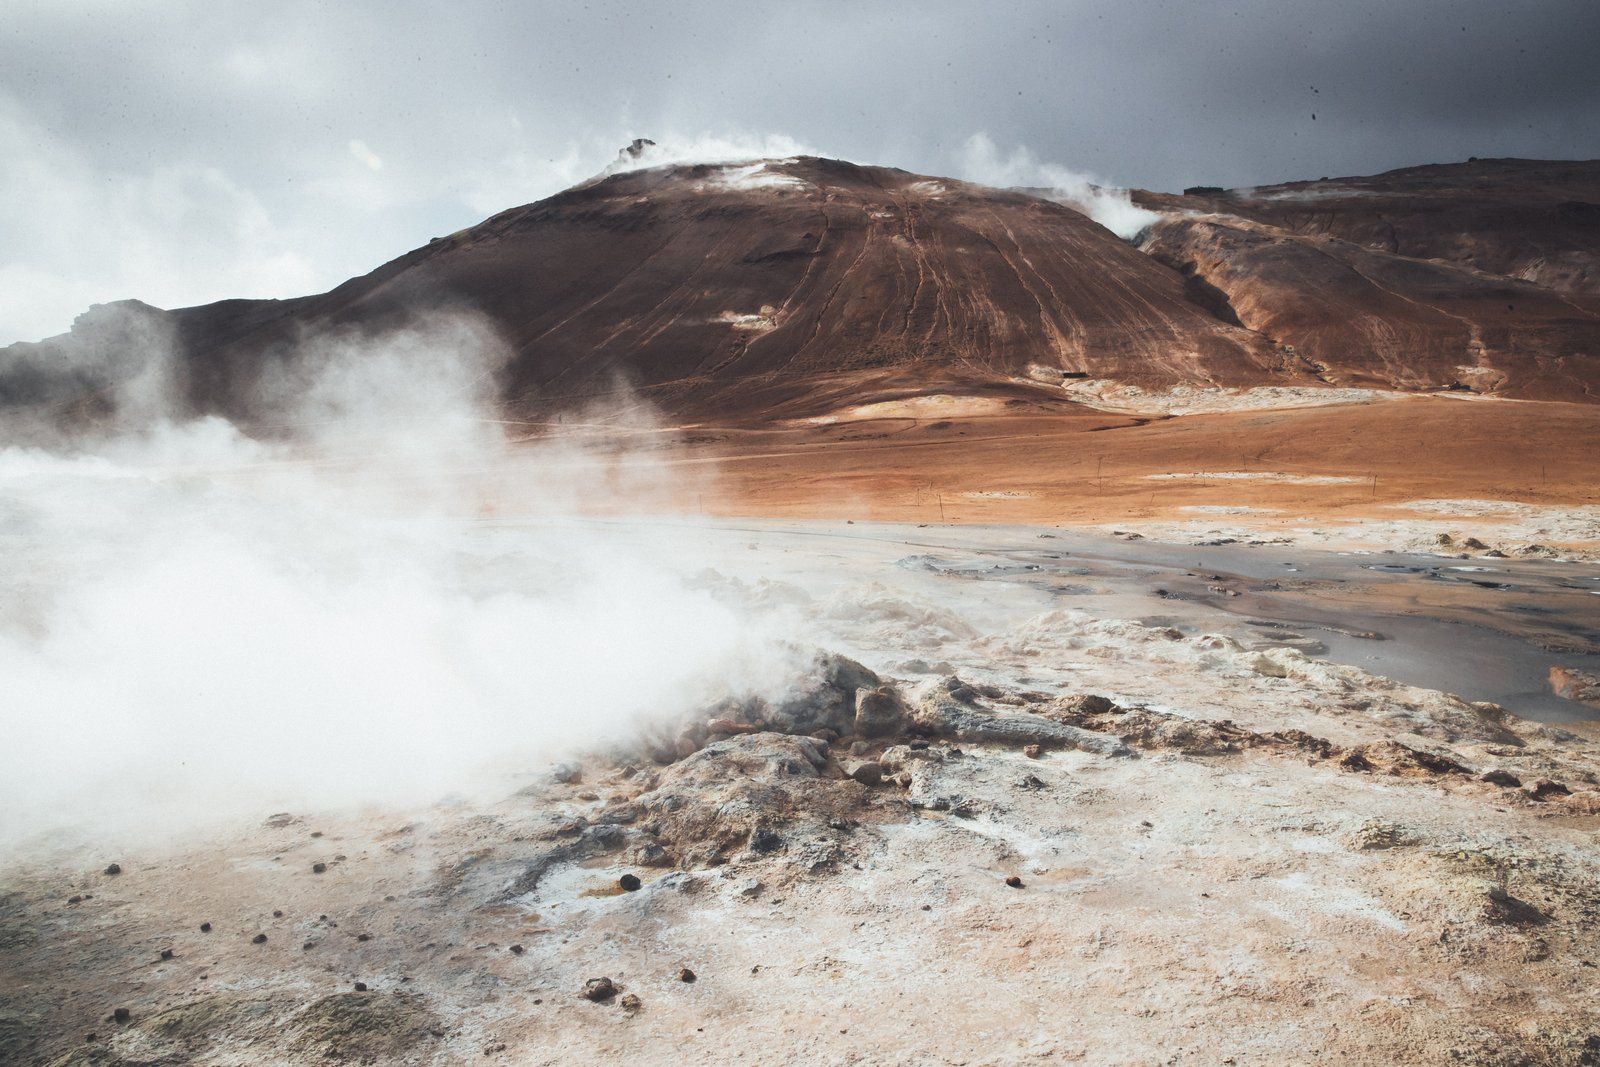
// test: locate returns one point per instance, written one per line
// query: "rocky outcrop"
(950, 708)
(1576, 685)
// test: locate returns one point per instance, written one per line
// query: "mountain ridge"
(772, 288)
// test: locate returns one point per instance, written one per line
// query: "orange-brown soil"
(1067, 464)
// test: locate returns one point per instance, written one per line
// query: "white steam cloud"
(708, 148)
(382, 606)
(1108, 205)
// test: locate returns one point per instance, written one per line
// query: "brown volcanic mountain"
(1532, 219)
(799, 285)
(1482, 276)
(727, 287)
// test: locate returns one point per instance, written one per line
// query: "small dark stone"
(361, 987)
(363, 937)
(685, 975)
(630, 1002)
(630, 882)
(868, 772)
(517, 950)
(598, 989)
(121, 1015)
(205, 928)
(166, 953)
(277, 915)
(1014, 882)
(74, 900)
(1544, 788)
(318, 868)
(259, 939)
(115, 868)
(650, 854)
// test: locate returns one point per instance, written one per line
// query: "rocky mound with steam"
(806, 878)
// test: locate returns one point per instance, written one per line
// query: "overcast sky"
(182, 152)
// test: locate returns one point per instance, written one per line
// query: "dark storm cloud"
(183, 151)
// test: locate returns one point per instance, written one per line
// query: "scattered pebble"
(685, 975)
(259, 939)
(517, 950)
(630, 882)
(630, 1002)
(121, 1015)
(166, 953)
(115, 868)
(205, 928)
(1014, 882)
(598, 989)
(361, 987)
(1543, 788)
(318, 868)
(868, 772)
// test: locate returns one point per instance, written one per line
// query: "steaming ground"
(366, 734)
(198, 622)
(1226, 844)
(183, 646)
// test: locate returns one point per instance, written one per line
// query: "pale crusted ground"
(1443, 527)
(1238, 893)
(1107, 395)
